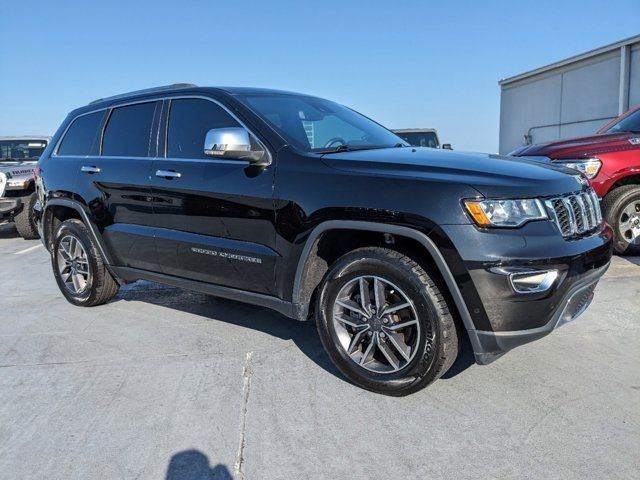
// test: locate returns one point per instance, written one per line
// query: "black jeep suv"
(304, 206)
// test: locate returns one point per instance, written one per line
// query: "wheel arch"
(308, 276)
(57, 210)
(633, 178)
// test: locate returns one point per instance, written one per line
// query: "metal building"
(570, 98)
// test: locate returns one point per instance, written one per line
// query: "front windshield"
(420, 139)
(630, 123)
(320, 126)
(20, 150)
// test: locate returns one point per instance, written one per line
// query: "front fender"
(302, 307)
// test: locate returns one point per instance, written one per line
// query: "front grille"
(575, 214)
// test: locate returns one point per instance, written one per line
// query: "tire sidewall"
(78, 230)
(25, 220)
(354, 266)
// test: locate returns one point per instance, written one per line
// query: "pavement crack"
(247, 373)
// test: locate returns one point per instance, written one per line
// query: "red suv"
(611, 161)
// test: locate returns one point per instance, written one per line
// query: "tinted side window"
(189, 121)
(83, 136)
(128, 132)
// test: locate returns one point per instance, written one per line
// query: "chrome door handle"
(168, 174)
(91, 169)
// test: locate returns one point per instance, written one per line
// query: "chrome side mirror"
(233, 143)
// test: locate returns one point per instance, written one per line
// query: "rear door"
(80, 141)
(215, 217)
(116, 184)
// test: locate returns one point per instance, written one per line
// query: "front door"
(215, 217)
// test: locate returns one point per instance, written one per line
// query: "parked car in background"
(610, 159)
(302, 205)
(18, 160)
(421, 137)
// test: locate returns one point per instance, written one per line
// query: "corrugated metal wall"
(574, 99)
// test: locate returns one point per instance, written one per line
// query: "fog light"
(533, 281)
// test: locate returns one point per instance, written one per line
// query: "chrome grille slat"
(596, 202)
(592, 211)
(586, 221)
(572, 218)
(575, 214)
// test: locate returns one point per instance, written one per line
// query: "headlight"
(590, 166)
(18, 182)
(505, 213)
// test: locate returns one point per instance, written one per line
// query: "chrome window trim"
(161, 99)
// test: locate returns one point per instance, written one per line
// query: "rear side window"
(189, 121)
(83, 136)
(128, 132)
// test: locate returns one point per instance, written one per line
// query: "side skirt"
(132, 274)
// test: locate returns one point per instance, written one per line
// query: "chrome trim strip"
(550, 276)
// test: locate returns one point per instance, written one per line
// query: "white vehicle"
(422, 137)
(18, 159)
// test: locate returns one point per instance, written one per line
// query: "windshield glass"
(317, 125)
(23, 149)
(627, 124)
(420, 139)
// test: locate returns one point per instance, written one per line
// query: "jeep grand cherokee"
(304, 206)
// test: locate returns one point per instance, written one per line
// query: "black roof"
(179, 87)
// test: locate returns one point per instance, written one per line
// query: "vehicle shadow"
(8, 231)
(194, 465)
(634, 260)
(303, 334)
(465, 360)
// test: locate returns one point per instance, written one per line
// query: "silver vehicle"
(422, 137)
(18, 159)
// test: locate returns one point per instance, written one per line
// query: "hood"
(491, 175)
(582, 147)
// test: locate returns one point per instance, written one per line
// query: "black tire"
(436, 347)
(100, 285)
(25, 220)
(613, 206)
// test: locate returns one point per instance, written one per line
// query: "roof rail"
(173, 86)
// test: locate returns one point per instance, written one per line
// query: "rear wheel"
(25, 220)
(78, 266)
(384, 322)
(622, 211)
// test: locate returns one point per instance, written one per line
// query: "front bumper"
(505, 318)
(574, 302)
(10, 206)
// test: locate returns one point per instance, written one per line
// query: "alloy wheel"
(629, 223)
(73, 264)
(376, 324)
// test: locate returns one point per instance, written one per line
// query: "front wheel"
(384, 322)
(25, 220)
(622, 211)
(78, 267)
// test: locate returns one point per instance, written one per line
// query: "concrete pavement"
(167, 384)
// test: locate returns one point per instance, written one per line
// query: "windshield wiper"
(350, 148)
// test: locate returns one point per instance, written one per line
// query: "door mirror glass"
(232, 143)
(447, 146)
